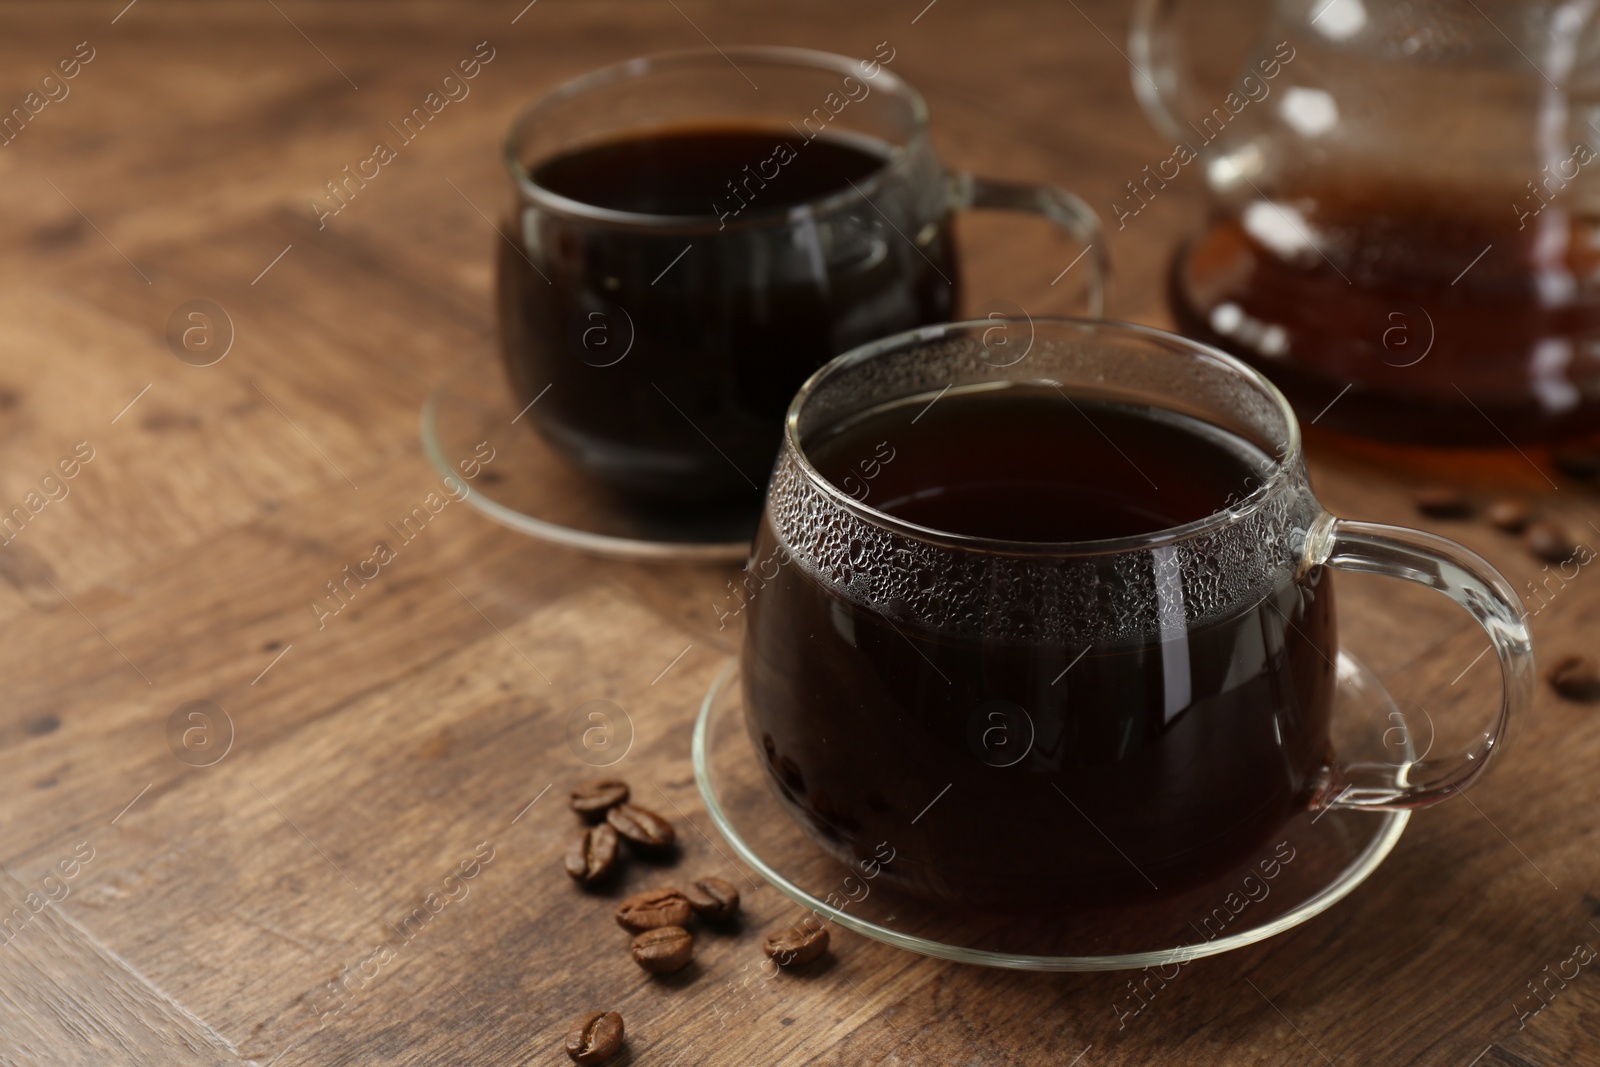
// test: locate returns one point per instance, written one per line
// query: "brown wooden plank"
(65, 998)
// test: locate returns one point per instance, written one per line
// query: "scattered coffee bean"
(663, 950)
(596, 1037)
(1580, 463)
(712, 899)
(1549, 541)
(1576, 678)
(593, 799)
(1443, 502)
(654, 908)
(800, 943)
(1511, 514)
(592, 856)
(642, 827)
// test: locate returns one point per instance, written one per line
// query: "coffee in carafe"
(1404, 214)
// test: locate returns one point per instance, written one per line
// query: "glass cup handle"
(1067, 211)
(1469, 580)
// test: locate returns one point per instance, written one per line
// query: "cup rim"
(1285, 464)
(897, 163)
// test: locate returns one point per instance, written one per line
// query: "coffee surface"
(693, 170)
(1032, 464)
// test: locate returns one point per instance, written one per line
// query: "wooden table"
(208, 907)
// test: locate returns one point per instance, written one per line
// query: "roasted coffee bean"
(592, 856)
(653, 909)
(1511, 514)
(663, 950)
(1580, 463)
(800, 943)
(642, 827)
(712, 899)
(1443, 502)
(1549, 541)
(596, 1038)
(1576, 678)
(593, 799)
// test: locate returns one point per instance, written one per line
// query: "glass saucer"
(530, 488)
(1316, 860)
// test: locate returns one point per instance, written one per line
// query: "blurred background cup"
(684, 249)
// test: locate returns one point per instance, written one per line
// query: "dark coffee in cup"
(669, 358)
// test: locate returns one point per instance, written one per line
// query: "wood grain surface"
(371, 756)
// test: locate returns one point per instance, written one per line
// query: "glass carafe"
(1405, 223)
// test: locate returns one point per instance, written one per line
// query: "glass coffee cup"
(684, 249)
(1051, 611)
